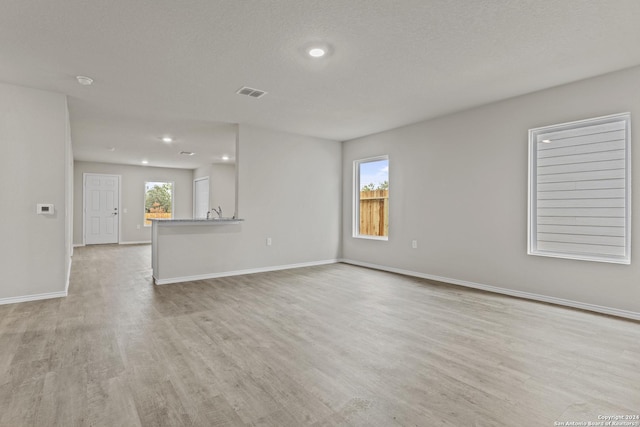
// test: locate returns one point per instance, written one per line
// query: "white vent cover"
(249, 91)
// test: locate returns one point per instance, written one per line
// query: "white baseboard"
(241, 272)
(141, 242)
(36, 297)
(520, 294)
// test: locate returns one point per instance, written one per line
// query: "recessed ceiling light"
(187, 153)
(84, 80)
(317, 52)
(144, 162)
(111, 149)
(167, 139)
(225, 158)
(546, 141)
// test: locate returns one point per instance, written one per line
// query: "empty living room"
(305, 213)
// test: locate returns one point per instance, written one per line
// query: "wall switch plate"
(414, 244)
(138, 227)
(124, 210)
(268, 241)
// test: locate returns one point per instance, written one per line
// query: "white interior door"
(101, 208)
(200, 197)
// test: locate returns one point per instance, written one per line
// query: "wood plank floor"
(333, 345)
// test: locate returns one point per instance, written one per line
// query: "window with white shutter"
(580, 190)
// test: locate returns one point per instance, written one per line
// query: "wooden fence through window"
(374, 213)
(149, 215)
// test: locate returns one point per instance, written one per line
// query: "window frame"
(356, 197)
(144, 199)
(535, 138)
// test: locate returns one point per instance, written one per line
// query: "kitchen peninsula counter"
(190, 249)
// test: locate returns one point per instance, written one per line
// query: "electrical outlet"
(138, 226)
(414, 244)
(268, 241)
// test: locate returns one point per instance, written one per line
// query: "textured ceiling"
(166, 66)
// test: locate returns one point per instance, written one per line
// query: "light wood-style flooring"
(333, 345)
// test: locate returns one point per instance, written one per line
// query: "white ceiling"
(172, 67)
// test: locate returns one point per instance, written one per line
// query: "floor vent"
(249, 91)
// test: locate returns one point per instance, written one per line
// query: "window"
(371, 198)
(158, 201)
(579, 190)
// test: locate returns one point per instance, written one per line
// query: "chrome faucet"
(208, 214)
(218, 211)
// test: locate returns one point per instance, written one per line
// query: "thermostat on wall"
(44, 209)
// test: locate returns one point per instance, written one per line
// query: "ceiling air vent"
(249, 91)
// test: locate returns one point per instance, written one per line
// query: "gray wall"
(34, 168)
(289, 190)
(132, 197)
(458, 184)
(222, 186)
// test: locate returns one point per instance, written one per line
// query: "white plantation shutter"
(579, 190)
